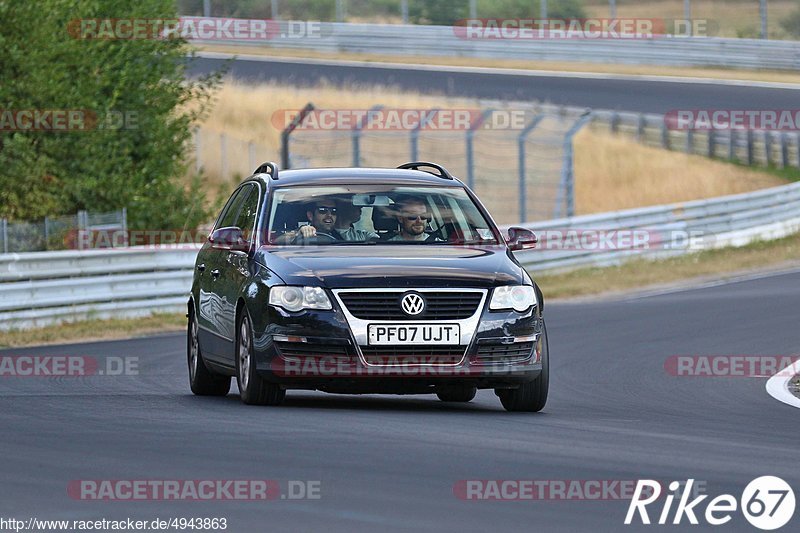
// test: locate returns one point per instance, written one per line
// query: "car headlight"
(298, 298)
(517, 297)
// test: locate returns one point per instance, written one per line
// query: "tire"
(532, 396)
(202, 381)
(253, 389)
(457, 394)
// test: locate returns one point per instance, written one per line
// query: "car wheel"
(253, 389)
(202, 381)
(457, 394)
(531, 396)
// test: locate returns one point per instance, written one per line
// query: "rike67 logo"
(767, 502)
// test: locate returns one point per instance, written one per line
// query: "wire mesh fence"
(70, 232)
(513, 157)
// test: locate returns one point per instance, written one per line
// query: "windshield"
(376, 214)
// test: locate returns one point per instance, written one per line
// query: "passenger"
(347, 216)
(414, 219)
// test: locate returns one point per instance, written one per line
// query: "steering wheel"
(319, 238)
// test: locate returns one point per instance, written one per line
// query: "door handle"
(215, 273)
(201, 267)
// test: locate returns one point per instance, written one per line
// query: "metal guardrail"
(413, 40)
(47, 287)
(665, 230)
(40, 288)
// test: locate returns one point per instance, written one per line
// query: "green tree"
(141, 166)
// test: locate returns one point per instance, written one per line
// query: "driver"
(321, 215)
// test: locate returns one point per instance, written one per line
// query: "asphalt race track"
(390, 463)
(654, 96)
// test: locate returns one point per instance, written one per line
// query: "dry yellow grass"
(615, 172)
(559, 66)
(94, 330)
(733, 18)
(612, 172)
(781, 254)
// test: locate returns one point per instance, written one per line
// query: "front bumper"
(319, 350)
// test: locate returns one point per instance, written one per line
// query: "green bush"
(792, 23)
(140, 166)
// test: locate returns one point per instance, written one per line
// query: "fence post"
(784, 151)
(664, 135)
(640, 126)
(523, 205)
(768, 147)
(712, 143)
(470, 150)
(4, 224)
(83, 226)
(125, 225)
(46, 235)
(415, 133)
(750, 137)
(731, 144)
(690, 140)
(797, 145)
(287, 131)
(251, 155)
(223, 148)
(198, 164)
(357, 134)
(614, 122)
(567, 167)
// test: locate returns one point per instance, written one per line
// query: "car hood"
(392, 266)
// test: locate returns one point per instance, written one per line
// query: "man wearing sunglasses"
(321, 216)
(413, 218)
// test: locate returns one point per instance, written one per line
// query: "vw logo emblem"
(412, 304)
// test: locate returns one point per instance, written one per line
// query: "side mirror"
(521, 238)
(228, 238)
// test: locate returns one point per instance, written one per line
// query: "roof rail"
(268, 168)
(418, 165)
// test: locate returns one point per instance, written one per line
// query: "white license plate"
(413, 334)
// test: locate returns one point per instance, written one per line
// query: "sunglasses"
(322, 210)
(426, 218)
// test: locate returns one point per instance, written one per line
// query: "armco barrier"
(413, 40)
(44, 287)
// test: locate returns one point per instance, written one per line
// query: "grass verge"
(644, 273)
(771, 76)
(91, 330)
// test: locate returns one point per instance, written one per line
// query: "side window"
(247, 214)
(231, 210)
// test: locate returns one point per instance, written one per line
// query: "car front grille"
(413, 355)
(305, 350)
(441, 305)
(503, 353)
